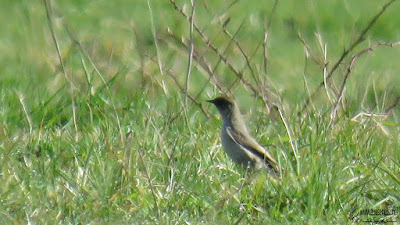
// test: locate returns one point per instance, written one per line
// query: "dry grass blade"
(172, 74)
(92, 63)
(71, 90)
(265, 41)
(190, 55)
(153, 30)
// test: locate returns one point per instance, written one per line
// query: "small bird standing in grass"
(236, 140)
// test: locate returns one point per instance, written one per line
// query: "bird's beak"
(210, 101)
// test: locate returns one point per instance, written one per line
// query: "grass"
(108, 138)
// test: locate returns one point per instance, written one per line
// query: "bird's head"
(225, 105)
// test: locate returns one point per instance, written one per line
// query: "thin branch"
(309, 51)
(212, 72)
(349, 69)
(355, 43)
(182, 89)
(202, 64)
(209, 43)
(247, 58)
(222, 57)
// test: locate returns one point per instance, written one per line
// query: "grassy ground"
(104, 132)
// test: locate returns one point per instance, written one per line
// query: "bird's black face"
(223, 104)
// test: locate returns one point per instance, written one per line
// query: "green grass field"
(103, 118)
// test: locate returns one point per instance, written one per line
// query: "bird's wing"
(251, 145)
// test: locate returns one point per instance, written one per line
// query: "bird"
(236, 140)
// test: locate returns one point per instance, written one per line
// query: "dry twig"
(346, 52)
(349, 69)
